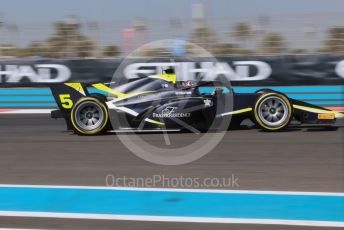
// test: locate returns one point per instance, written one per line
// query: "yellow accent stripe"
(106, 89)
(154, 122)
(236, 112)
(315, 110)
(77, 86)
(167, 77)
(118, 94)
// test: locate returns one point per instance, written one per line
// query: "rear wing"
(67, 94)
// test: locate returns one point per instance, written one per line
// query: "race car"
(161, 103)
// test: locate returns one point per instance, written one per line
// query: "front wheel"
(272, 111)
(89, 116)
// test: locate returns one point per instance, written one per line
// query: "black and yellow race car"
(161, 103)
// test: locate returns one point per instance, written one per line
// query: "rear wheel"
(272, 111)
(89, 116)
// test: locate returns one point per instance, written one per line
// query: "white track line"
(25, 111)
(172, 219)
(20, 229)
(180, 190)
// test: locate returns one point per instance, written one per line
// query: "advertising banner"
(241, 71)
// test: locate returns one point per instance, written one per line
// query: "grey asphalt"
(36, 150)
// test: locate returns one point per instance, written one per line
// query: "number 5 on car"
(66, 101)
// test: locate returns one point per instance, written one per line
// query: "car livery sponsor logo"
(170, 112)
(207, 102)
(35, 73)
(339, 69)
(234, 71)
(326, 116)
(183, 93)
(141, 96)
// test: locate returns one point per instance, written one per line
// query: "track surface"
(36, 150)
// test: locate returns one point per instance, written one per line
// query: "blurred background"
(106, 29)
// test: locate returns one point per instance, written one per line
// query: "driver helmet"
(169, 71)
(188, 84)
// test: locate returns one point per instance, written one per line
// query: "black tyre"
(272, 111)
(89, 116)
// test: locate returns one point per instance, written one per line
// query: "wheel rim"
(273, 111)
(89, 116)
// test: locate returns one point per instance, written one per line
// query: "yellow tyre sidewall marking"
(106, 115)
(285, 99)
